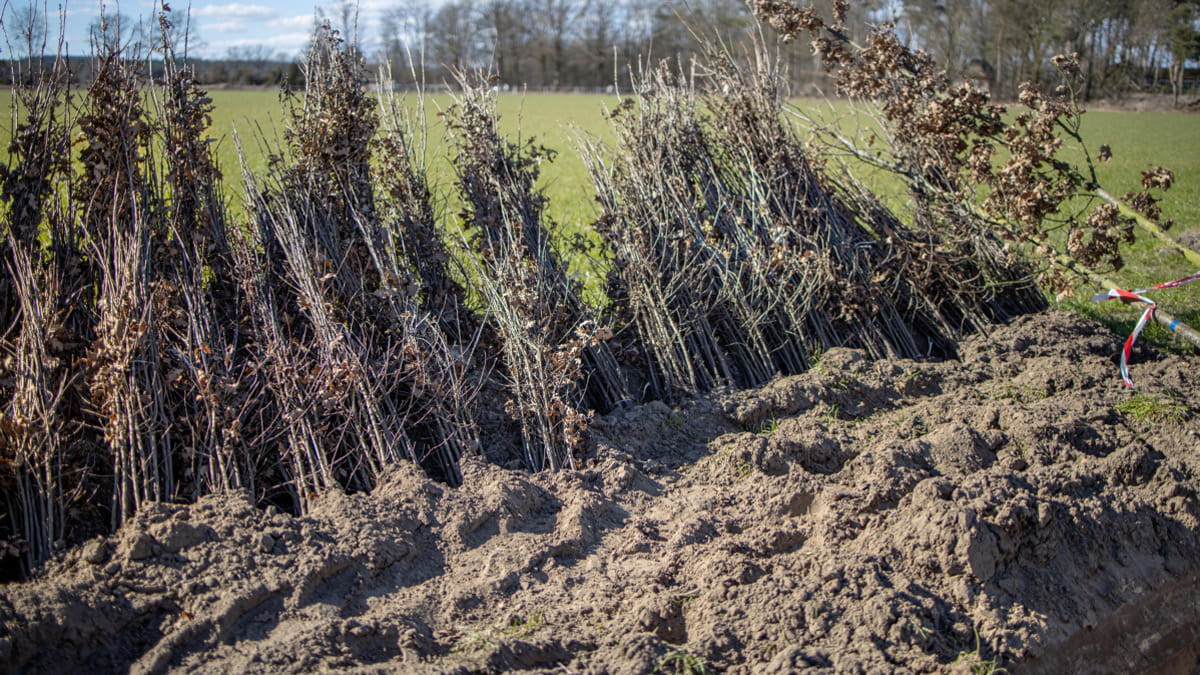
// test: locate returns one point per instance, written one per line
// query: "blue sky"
(282, 27)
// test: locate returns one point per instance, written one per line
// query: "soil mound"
(896, 515)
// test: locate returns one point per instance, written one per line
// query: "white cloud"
(304, 21)
(287, 34)
(223, 27)
(73, 13)
(374, 6)
(234, 11)
(288, 42)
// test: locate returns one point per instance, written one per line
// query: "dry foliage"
(153, 351)
(943, 139)
(547, 335)
(362, 376)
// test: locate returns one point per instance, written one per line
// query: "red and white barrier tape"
(1136, 296)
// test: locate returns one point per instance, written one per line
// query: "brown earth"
(866, 516)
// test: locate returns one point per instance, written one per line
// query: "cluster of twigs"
(362, 375)
(548, 337)
(735, 259)
(123, 238)
(997, 184)
(153, 350)
(211, 391)
(406, 205)
(102, 265)
(42, 333)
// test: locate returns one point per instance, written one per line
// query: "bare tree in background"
(555, 22)
(598, 31)
(453, 39)
(116, 30)
(25, 30)
(1184, 41)
(505, 26)
(953, 30)
(1123, 46)
(404, 29)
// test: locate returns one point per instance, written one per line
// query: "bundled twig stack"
(120, 211)
(406, 206)
(735, 259)
(665, 274)
(42, 331)
(361, 375)
(869, 280)
(211, 391)
(545, 330)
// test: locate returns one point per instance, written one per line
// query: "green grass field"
(553, 120)
(1138, 140)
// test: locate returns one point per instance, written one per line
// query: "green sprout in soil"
(1152, 409)
(975, 661)
(740, 465)
(473, 642)
(520, 627)
(924, 631)
(680, 662)
(831, 414)
(743, 469)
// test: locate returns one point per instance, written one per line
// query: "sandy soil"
(997, 510)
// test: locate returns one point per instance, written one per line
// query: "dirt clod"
(94, 552)
(139, 546)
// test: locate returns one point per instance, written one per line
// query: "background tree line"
(27, 39)
(1124, 46)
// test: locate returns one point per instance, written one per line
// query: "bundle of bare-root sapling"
(119, 206)
(736, 259)
(214, 393)
(554, 358)
(405, 204)
(362, 377)
(45, 456)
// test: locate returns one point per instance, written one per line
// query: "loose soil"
(995, 510)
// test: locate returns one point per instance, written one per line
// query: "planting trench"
(998, 509)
